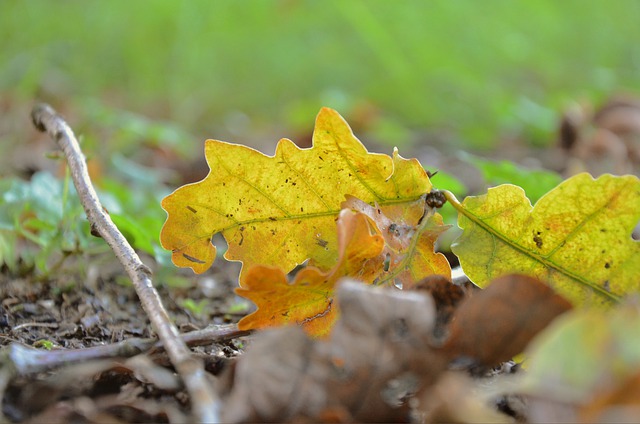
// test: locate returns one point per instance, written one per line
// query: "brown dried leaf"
(498, 322)
(378, 352)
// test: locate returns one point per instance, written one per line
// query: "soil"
(71, 313)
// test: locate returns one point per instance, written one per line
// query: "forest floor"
(72, 311)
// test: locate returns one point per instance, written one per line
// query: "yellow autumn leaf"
(281, 210)
(577, 237)
(308, 299)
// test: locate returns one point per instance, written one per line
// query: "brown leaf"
(378, 352)
(498, 322)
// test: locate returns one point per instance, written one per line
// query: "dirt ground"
(68, 314)
(73, 313)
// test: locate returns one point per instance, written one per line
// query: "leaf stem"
(451, 198)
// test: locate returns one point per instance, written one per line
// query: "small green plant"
(42, 222)
(45, 344)
(196, 308)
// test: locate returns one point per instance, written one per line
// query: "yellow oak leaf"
(281, 210)
(309, 299)
(577, 237)
(410, 235)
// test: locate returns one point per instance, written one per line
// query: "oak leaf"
(309, 299)
(577, 237)
(281, 210)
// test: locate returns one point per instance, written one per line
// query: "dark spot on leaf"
(242, 228)
(603, 230)
(191, 209)
(322, 243)
(271, 218)
(293, 183)
(538, 240)
(320, 157)
(301, 209)
(607, 265)
(192, 259)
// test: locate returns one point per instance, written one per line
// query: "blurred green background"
(467, 72)
(143, 83)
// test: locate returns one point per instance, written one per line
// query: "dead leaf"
(498, 322)
(378, 353)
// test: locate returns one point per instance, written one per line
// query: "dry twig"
(204, 401)
(27, 360)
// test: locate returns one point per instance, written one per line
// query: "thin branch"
(204, 401)
(26, 360)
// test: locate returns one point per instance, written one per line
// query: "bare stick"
(204, 402)
(27, 360)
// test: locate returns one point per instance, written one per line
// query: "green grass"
(468, 70)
